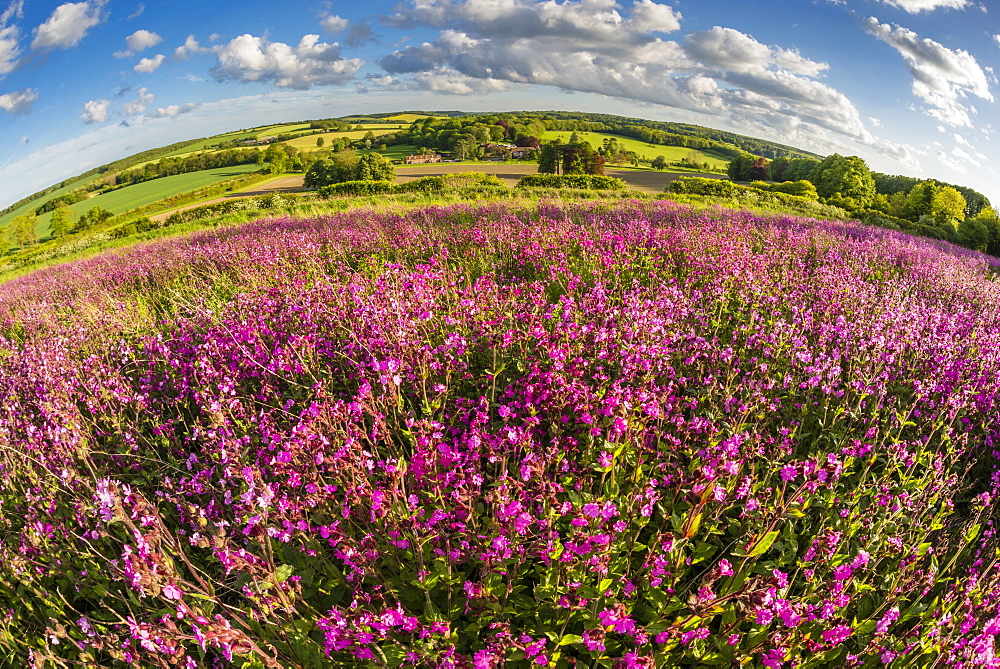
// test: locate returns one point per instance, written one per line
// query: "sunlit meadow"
(601, 435)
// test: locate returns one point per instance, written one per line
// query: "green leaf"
(763, 543)
(866, 627)
(570, 638)
(282, 573)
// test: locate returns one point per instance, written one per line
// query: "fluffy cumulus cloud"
(10, 38)
(67, 25)
(95, 111)
(620, 50)
(189, 48)
(142, 101)
(141, 40)
(310, 63)
(150, 65)
(138, 41)
(18, 102)
(917, 6)
(172, 111)
(943, 78)
(333, 24)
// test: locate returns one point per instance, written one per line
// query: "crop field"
(31, 206)
(308, 142)
(409, 118)
(645, 151)
(148, 192)
(601, 434)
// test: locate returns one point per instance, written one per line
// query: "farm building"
(422, 158)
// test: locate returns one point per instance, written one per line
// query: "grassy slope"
(644, 150)
(308, 142)
(148, 192)
(24, 209)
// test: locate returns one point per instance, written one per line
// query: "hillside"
(534, 434)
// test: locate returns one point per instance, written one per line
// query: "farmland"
(646, 152)
(139, 195)
(527, 433)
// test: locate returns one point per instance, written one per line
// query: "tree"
(374, 167)
(22, 229)
(849, 176)
(759, 169)
(61, 221)
(319, 174)
(659, 163)
(740, 168)
(550, 158)
(581, 158)
(947, 207)
(94, 216)
(320, 141)
(777, 168)
(918, 200)
(800, 168)
(277, 157)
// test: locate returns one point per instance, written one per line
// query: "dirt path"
(649, 181)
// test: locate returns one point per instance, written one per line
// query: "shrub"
(356, 188)
(581, 181)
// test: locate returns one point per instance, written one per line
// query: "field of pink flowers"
(601, 435)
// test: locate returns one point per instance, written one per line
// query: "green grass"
(148, 192)
(308, 142)
(645, 151)
(399, 151)
(409, 118)
(31, 206)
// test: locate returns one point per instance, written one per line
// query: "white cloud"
(143, 99)
(453, 83)
(141, 40)
(18, 102)
(333, 24)
(597, 46)
(917, 6)
(172, 111)
(727, 49)
(310, 63)
(150, 65)
(10, 49)
(876, 122)
(10, 37)
(190, 46)
(137, 13)
(67, 25)
(95, 111)
(943, 78)
(648, 17)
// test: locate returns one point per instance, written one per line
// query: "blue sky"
(909, 85)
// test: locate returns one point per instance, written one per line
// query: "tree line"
(923, 206)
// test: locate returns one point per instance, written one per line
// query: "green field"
(645, 151)
(31, 206)
(409, 118)
(148, 192)
(308, 143)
